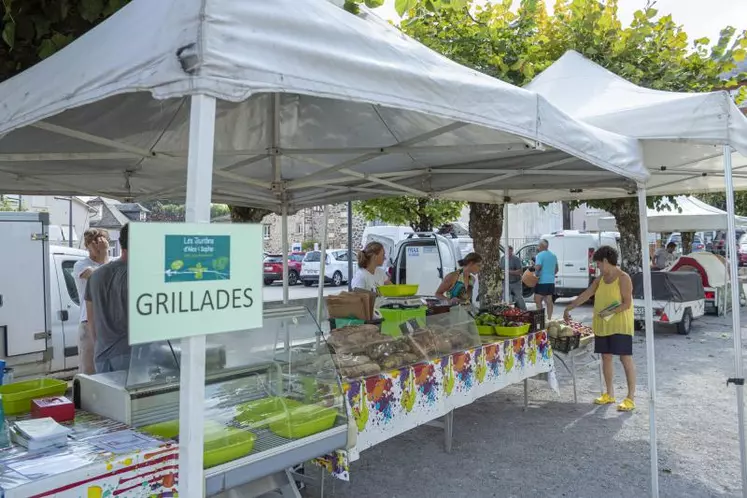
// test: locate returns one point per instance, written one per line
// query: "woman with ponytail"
(457, 286)
(370, 276)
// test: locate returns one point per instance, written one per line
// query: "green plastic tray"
(221, 445)
(512, 331)
(486, 330)
(393, 318)
(263, 411)
(18, 395)
(305, 421)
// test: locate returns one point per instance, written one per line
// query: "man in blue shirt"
(545, 269)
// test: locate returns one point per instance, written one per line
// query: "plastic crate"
(536, 320)
(565, 344)
(395, 317)
(17, 396)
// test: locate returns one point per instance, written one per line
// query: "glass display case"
(368, 349)
(272, 395)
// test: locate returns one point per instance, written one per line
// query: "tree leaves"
(9, 33)
(91, 10)
(421, 214)
(402, 6)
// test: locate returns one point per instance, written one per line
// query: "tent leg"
(322, 262)
(506, 261)
(351, 252)
(735, 310)
(192, 372)
(650, 358)
(284, 250)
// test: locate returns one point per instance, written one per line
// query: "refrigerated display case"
(272, 397)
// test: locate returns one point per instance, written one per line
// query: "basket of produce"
(398, 290)
(567, 336)
(512, 330)
(304, 421)
(486, 323)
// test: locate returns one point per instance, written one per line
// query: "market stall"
(692, 142)
(277, 120)
(398, 381)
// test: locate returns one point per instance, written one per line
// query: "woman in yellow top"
(613, 323)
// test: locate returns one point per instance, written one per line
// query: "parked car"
(742, 250)
(697, 245)
(719, 246)
(273, 268)
(335, 267)
(574, 250)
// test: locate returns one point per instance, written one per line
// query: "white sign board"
(193, 279)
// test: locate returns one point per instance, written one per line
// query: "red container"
(59, 408)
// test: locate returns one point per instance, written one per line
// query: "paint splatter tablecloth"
(101, 460)
(389, 404)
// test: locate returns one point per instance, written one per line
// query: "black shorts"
(544, 289)
(615, 344)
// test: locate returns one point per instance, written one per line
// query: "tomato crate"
(536, 320)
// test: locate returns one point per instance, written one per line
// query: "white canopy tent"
(688, 140)
(291, 104)
(686, 214)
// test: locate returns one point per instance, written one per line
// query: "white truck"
(39, 302)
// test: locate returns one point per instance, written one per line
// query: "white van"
(574, 250)
(39, 302)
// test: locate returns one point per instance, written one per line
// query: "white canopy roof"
(316, 106)
(693, 215)
(683, 132)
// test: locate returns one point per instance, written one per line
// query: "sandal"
(627, 405)
(605, 399)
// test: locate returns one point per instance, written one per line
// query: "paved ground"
(561, 449)
(274, 292)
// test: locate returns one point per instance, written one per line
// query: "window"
(312, 257)
(299, 228)
(72, 289)
(341, 256)
(266, 231)
(296, 257)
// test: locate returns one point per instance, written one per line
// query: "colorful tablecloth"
(85, 469)
(391, 403)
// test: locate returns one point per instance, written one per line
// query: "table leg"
(573, 375)
(290, 490)
(448, 430)
(526, 394)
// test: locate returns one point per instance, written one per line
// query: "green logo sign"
(197, 258)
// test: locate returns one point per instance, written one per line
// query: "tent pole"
(506, 262)
(322, 262)
(731, 240)
(351, 253)
(192, 370)
(284, 250)
(650, 358)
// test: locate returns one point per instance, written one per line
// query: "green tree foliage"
(653, 51)
(719, 200)
(419, 213)
(5, 205)
(169, 212)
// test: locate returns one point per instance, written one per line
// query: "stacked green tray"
(18, 395)
(222, 444)
(305, 421)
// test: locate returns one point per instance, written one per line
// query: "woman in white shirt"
(370, 276)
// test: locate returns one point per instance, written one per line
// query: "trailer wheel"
(683, 328)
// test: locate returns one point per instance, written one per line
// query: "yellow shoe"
(605, 399)
(627, 405)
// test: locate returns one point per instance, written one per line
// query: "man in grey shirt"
(106, 305)
(514, 278)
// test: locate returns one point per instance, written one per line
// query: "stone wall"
(306, 225)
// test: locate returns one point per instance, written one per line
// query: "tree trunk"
(625, 212)
(421, 221)
(687, 242)
(486, 227)
(241, 214)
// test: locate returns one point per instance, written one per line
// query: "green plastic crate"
(393, 318)
(18, 395)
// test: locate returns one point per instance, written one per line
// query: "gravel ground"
(561, 449)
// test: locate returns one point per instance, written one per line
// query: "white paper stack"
(39, 433)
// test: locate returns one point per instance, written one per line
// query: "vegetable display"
(489, 319)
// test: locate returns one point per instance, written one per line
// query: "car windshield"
(312, 257)
(273, 259)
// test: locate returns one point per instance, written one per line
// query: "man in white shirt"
(97, 243)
